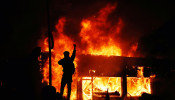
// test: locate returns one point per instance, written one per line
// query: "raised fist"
(74, 45)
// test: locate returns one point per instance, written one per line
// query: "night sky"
(23, 23)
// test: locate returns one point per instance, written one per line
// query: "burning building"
(102, 64)
(120, 75)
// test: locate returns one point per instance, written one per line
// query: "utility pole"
(49, 36)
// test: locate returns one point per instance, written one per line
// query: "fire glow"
(100, 38)
(100, 84)
(135, 85)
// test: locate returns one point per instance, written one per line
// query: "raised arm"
(74, 52)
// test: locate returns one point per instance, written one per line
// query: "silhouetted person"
(49, 93)
(68, 71)
(58, 96)
(35, 76)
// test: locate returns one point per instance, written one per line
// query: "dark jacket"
(67, 64)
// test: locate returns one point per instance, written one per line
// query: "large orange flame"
(135, 85)
(99, 36)
(100, 84)
(62, 43)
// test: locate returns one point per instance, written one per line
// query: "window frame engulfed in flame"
(93, 82)
(135, 85)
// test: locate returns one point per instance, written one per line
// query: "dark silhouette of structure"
(107, 95)
(35, 76)
(146, 96)
(49, 93)
(21, 78)
(68, 71)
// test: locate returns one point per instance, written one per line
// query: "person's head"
(66, 54)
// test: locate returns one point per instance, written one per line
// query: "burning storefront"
(102, 64)
(121, 76)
